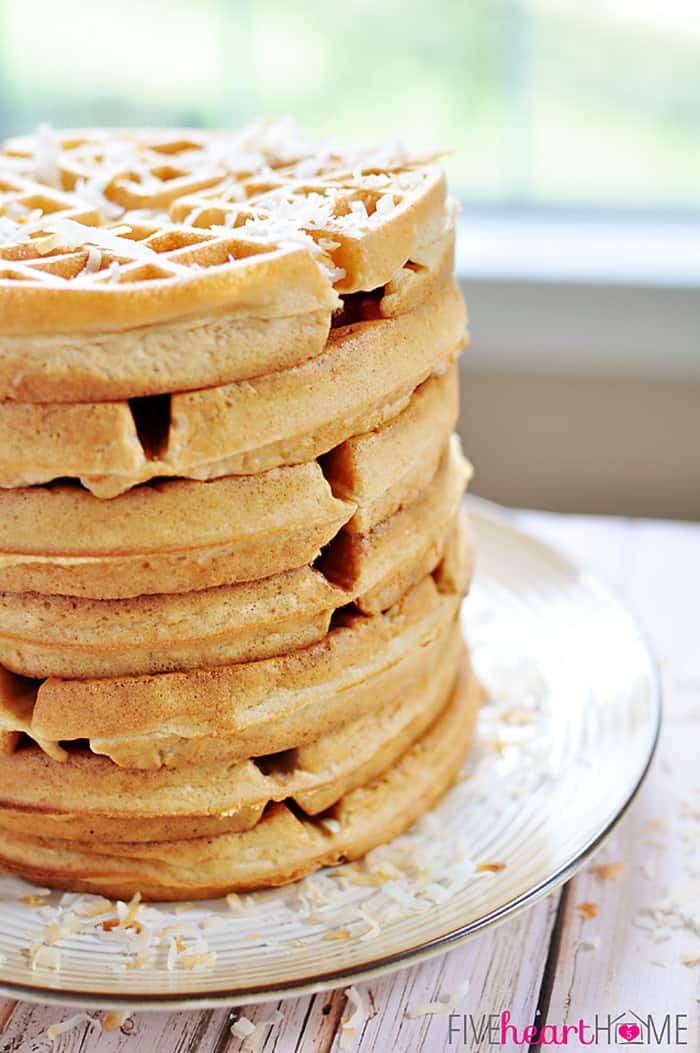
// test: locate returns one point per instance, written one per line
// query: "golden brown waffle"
(282, 847)
(241, 428)
(207, 716)
(65, 636)
(377, 568)
(227, 247)
(88, 796)
(181, 535)
(383, 470)
(44, 636)
(174, 536)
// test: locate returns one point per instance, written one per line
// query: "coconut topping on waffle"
(114, 211)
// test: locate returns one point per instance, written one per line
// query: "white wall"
(584, 397)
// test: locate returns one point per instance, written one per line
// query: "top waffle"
(137, 263)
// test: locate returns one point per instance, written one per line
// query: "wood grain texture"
(574, 968)
(625, 959)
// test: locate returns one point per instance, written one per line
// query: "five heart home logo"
(626, 1029)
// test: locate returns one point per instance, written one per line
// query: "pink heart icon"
(629, 1032)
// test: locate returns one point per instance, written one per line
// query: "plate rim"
(426, 949)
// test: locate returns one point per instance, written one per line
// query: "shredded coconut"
(358, 1018)
(114, 1019)
(43, 957)
(242, 1027)
(92, 191)
(54, 1031)
(359, 209)
(608, 871)
(94, 261)
(385, 204)
(679, 909)
(201, 960)
(47, 156)
(297, 193)
(254, 1034)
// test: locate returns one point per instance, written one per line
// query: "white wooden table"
(552, 964)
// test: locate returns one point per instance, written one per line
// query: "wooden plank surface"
(556, 963)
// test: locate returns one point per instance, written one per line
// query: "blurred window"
(545, 103)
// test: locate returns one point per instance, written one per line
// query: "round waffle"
(181, 535)
(383, 470)
(240, 428)
(42, 636)
(89, 796)
(195, 260)
(281, 847)
(229, 713)
(378, 567)
(65, 636)
(173, 536)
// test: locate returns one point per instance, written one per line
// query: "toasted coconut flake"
(193, 961)
(33, 901)
(47, 155)
(609, 871)
(114, 1019)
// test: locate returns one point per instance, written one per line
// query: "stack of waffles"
(231, 553)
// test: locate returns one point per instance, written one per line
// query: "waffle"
(74, 637)
(382, 470)
(182, 535)
(236, 246)
(241, 428)
(174, 536)
(89, 797)
(45, 636)
(377, 568)
(281, 847)
(206, 716)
